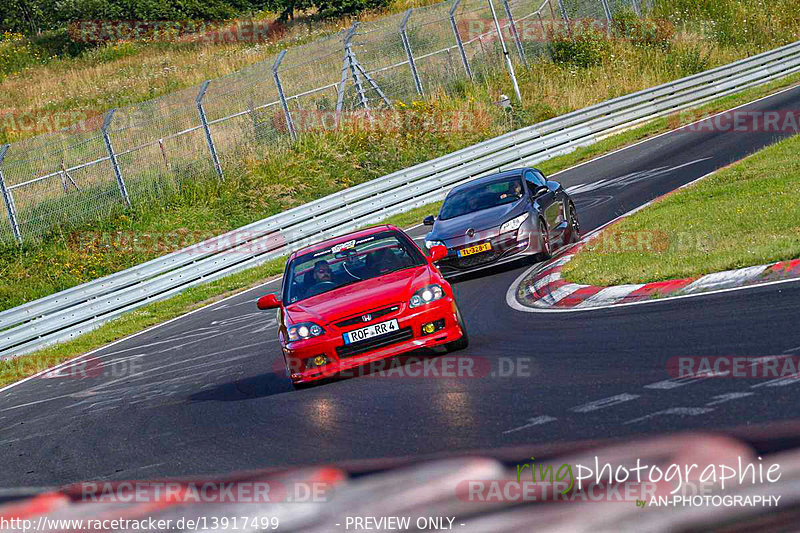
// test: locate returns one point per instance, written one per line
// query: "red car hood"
(350, 300)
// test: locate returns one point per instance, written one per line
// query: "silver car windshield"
(480, 197)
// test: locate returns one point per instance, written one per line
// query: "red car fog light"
(432, 327)
(317, 361)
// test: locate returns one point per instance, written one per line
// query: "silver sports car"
(503, 217)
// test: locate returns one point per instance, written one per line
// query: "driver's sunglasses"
(324, 270)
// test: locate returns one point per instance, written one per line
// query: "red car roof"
(343, 238)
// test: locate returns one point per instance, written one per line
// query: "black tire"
(544, 236)
(461, 343)
(573, 225)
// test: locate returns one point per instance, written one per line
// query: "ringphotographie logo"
(657, 483)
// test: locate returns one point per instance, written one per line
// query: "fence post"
(123, 190)
(409, 53)
(343, 82)
(505, 52)
(514, 32)
(8, 198)
(284, 103)
(636, 7)
(458, 38)
(545, 36)
(607, 10)
(565, 16)
(209, 140)
(362, 96)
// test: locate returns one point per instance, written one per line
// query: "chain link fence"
(140, 153)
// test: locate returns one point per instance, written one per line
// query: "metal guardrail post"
(409, 53)
(123, 190)
(509, 65)
(514, 32)
(284, 103)
(209, 140)
(458, 38)
(8, 198)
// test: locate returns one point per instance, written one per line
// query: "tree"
(325, 8)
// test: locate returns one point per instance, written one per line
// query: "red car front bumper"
(297, 353)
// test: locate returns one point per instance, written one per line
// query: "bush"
(685, 62)
(16, 54)
(585, 49)
(335, 8)
(59, 43)
(657, 33)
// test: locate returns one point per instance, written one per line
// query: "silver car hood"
(479, 221)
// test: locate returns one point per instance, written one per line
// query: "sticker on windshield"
(343, 246)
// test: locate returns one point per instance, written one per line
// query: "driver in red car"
(321, 273)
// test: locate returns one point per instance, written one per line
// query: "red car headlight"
(426, 295)
(304, 330)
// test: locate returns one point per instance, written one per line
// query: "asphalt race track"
(206, 394)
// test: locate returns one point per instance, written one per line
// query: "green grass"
(744, 215)
(147, 316)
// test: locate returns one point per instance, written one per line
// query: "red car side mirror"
(268, 301)
(438, 252)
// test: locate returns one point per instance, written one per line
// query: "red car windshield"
(349, 262)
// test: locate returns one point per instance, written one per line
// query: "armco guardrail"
(70, 313)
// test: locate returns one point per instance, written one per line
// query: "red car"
(361, 297)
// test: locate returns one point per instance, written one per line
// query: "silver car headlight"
(431, 244)
(514, 223)
(304, 330)
(426, 295)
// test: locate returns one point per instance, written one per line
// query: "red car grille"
(373, 314)
(349, 350)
